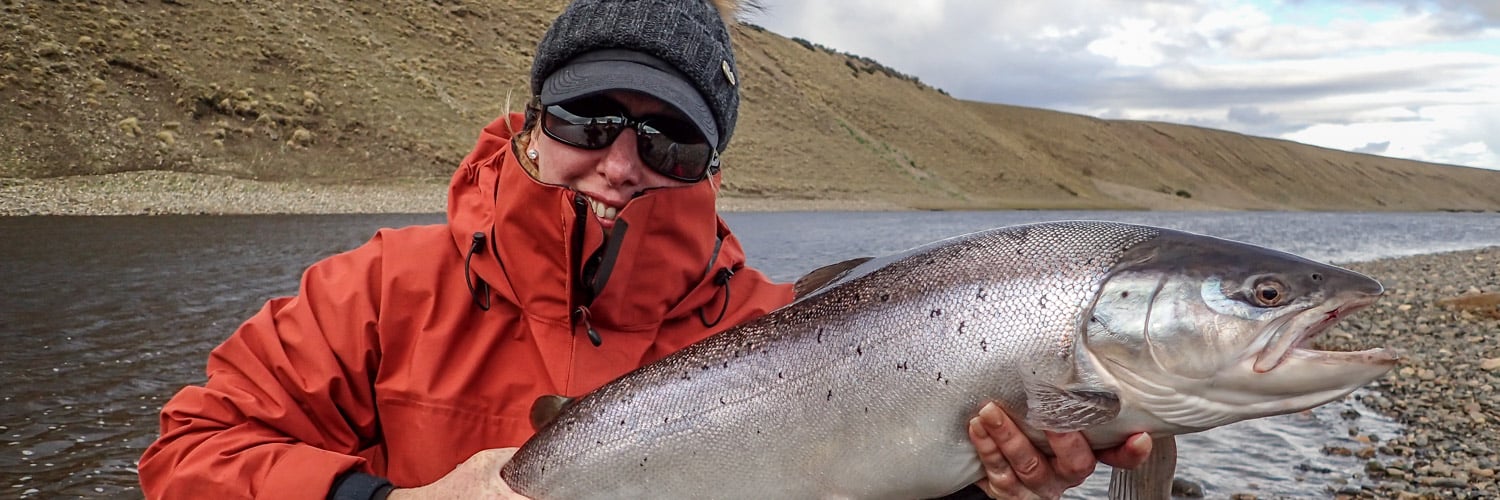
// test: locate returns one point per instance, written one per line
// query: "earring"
(531, 154)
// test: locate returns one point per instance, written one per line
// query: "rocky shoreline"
(161, 192)
(1442, 311)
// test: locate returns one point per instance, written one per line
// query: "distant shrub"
(1182, 193)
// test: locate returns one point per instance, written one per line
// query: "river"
(104, 318)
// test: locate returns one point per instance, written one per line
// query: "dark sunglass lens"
(684, 162)
(680, 131)
(590, 132)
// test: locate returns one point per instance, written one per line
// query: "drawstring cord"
(721, 279)
(481, 294)
(583, 313)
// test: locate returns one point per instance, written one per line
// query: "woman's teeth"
(603, 211)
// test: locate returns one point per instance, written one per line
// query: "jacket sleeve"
(289, 398)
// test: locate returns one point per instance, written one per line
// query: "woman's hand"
(477, 477)
(1013, 468)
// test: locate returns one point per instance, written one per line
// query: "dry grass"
(318, 90)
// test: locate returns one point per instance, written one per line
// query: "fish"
(863, 386)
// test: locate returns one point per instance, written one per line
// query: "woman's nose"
(622, 165)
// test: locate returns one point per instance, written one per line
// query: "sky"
(1416, 79)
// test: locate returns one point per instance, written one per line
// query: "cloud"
(1251, 116)
(1310, 70)
(1374, 148)
(1456, 15)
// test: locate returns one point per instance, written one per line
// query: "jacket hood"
(661, 260)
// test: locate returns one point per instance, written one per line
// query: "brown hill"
(325, 91)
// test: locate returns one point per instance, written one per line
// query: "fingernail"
(991, 414)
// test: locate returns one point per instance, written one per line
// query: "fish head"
(1200, 331)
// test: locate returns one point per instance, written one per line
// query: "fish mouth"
(1293, 336)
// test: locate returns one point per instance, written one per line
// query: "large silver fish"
(863, 388)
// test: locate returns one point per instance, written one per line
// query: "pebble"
(1443, 389)
(155, 192)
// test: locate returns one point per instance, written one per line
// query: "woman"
(581, 243)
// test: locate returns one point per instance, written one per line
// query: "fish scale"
(862, 389)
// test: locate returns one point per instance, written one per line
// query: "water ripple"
(104, 318)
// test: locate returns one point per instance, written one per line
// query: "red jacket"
(385, 362)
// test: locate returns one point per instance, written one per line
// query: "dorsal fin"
(546, 408)
(822, 276)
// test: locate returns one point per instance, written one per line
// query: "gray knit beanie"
(676, 41)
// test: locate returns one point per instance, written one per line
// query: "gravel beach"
(1443, 312)
(161, 192)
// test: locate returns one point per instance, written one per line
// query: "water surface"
(104, 318)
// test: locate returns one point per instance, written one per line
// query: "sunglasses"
(669, 146)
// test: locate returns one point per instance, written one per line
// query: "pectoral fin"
(546, 408)
(1063, 409)
(1153, 479)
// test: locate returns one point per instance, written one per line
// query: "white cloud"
(1412, 73)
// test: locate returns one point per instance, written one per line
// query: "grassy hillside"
(326, 91)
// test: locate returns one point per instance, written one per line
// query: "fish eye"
(1269, 293)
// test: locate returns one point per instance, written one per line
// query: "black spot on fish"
(867, 409)
(685, 376)
(961, 326)
(820, 335)
(936, 313)
(622, 421)
(664, 419)
(705, 366)
(721, 400)
(859, 351)
(1093, 319)
(981, 295)
(984, 345)
(885, 297)
(830, 394)
(599, 442)
(1317, 277)
(726, 364)
(901, 365)
(1124, 294)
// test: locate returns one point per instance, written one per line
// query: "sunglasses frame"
(632, 123)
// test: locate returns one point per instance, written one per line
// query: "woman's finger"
(998, 481)
(1074, 459)
(1026, 463)
(1129, 455)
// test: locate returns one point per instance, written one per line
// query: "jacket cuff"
(360, 486)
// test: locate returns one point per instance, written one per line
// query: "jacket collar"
(666, 248)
